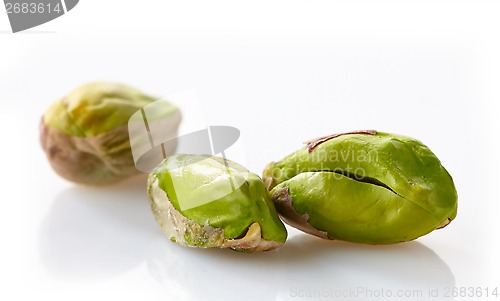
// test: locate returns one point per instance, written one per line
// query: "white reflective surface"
(95, 234)
(281, 72)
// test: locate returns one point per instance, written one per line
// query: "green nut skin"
(206, 201)
(85, 134)
(365, 187)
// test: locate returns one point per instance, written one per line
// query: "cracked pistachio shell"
(366, 187)
(206, 201)
(85, 134)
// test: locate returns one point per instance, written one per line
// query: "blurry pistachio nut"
(206, 201)
(85, 134)
(365, 186)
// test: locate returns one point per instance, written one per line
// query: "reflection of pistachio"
(85, 134)
(205, 201)
(365, 187)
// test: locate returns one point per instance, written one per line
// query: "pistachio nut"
(85, 134)
(206, 201)
(365, 186)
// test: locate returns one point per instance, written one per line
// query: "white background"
(282, 72)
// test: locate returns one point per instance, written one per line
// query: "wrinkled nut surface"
(206, 201)
(366, 187)
(85, 134)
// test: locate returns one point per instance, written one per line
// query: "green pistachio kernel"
(206, 201)
(365, 186)
(85, 134)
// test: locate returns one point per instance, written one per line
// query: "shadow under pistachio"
(97, 232)
(349, 271)
(305, 268)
